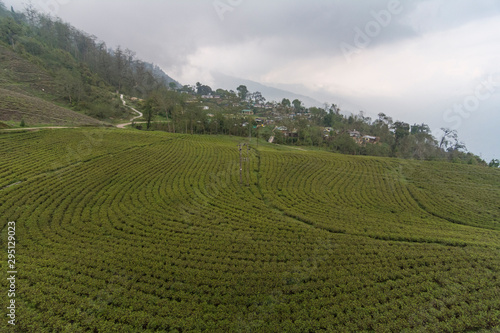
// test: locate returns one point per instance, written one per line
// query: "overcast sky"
(430, 61)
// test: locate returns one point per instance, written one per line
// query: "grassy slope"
(36, 111)
(27, 91)
(21, 75)
(151, 231)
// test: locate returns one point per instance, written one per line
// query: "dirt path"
(297, 148)
(131, 120)
(58, 127)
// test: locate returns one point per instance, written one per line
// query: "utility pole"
(241, 167)
(257, 136)
(248, 160)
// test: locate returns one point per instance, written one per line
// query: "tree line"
(289, 122)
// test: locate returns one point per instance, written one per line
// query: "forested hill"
(45, 57)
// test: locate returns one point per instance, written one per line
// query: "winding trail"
(131, 120)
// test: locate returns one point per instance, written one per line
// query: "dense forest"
(87, 74)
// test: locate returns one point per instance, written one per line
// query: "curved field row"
(154, 233)
(365, 196)
(463, 195)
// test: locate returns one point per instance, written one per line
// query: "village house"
(291, 134)
(370, 139)
(354, 134)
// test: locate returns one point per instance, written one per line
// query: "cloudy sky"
(430, 61)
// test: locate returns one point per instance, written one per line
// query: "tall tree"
(258, 98)
(401, 130)
(317, 115)
(450, 142)
(297, 105)
(11, 30)
(448, 136)
(202, 89)
(420, 129)
(242, 92)
(151, 108)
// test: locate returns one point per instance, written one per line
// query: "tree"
(421, 144)
(344, 144)
(297, 105)
(401, 130)
(151, 107)
(30, 11)
(242, 92)
(71, 84)
(257, 98)
(495, 163)
(449, 141)
(384, 119)
(202, 89)
(317, 115)
(420, 129)
(447, 134)
(334, 108)
(11, 30)
(286, 103)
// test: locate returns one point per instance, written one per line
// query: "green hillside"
(74, 78)
(28, 92)
(19, 74)
(15, 107)
(135, 231)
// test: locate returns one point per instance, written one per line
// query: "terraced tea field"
(151, 232)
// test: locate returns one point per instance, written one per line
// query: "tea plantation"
(128, 231)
